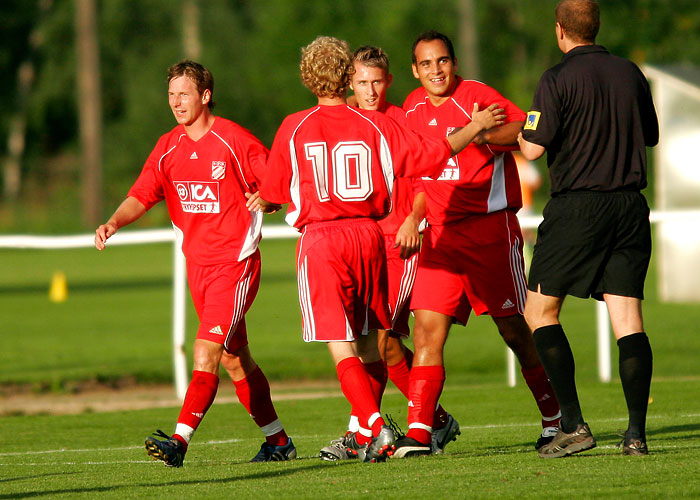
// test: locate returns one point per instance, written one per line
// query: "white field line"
(297, 437)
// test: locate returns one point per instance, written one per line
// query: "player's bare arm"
(408, 235)
(505, 135)
(481, 120)
(530, 150)
(130, 210)
(256, 203)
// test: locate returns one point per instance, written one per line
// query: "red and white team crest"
(198, 197)
(218, 170)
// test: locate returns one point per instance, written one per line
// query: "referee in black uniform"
(594, 115)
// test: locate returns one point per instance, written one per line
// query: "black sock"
(636, 363)
(558, 361)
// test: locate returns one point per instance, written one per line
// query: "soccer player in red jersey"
(471, 257)
(335, 166)
(202, 169)
(370, 83)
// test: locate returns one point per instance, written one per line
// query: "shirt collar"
(584, 49)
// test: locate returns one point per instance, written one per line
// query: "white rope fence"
(135, 237)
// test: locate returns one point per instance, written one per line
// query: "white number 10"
(352, 174)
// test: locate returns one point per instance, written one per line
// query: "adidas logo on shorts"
(507, 304)
(216, 330)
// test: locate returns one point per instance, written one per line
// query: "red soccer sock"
(440, 418)
(426, 384)
(355, 384)
(254, 394)
(377, 378)
(200, 395)
(399, 374)
(538, 382)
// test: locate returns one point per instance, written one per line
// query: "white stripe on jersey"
(239, 301)
(517, 270)
(416, 106)
(238, 162)
(253, 235)
(410, 267)
(498, 200)
(384, 155)
(160, 161)
(295, 193)
(307, 314)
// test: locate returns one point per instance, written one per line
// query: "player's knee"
(393, 353)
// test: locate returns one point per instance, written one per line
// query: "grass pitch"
(116, 324)
(102, 455)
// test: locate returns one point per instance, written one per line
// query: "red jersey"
(203, 183)
(339, 162)
(402, 197)
(480, 179)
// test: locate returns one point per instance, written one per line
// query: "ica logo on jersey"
(198, 197)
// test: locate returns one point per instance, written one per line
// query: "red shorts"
(474, 264)
(222, 294)
(341, 271)
(402, 274)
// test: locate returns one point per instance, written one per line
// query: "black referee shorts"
(592, 243)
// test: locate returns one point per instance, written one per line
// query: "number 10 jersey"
(339, 162)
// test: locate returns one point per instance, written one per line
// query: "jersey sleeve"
(543, 119)
(256, 160)
(650, 121)
(277, 177)
(148, 188)
(416, 155)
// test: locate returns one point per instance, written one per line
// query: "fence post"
(179, 310)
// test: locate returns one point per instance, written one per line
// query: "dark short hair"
(580, 19)
(371, 56)
(200, 75)
(429, 36)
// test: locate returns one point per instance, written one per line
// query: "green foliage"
(253, 50)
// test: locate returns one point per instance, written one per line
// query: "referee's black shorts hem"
(592, 243)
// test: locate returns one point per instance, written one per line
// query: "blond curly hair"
(326, 67)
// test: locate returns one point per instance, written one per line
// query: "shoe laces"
(398, 433)
(161, 434)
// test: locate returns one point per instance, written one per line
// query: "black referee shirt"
(594, 114)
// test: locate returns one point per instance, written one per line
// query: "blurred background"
(85, 100)
(84, 81)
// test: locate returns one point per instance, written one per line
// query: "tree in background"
(253, 48)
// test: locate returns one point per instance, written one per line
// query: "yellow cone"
(58, 292)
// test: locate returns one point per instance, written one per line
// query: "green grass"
(117, 322)
(101, 455)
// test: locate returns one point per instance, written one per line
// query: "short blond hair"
(374, 57)
(326, 67)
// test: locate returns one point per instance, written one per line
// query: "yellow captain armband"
(533, 118)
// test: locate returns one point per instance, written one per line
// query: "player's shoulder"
(295, 119)
(229, 127)
(471, 88)
(416, 97)
(171, 138)
(233, 134)
(395, 112)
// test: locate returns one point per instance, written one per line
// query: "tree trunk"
(191, 44)
(12, 173)
(89, 101)
(468, 49)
